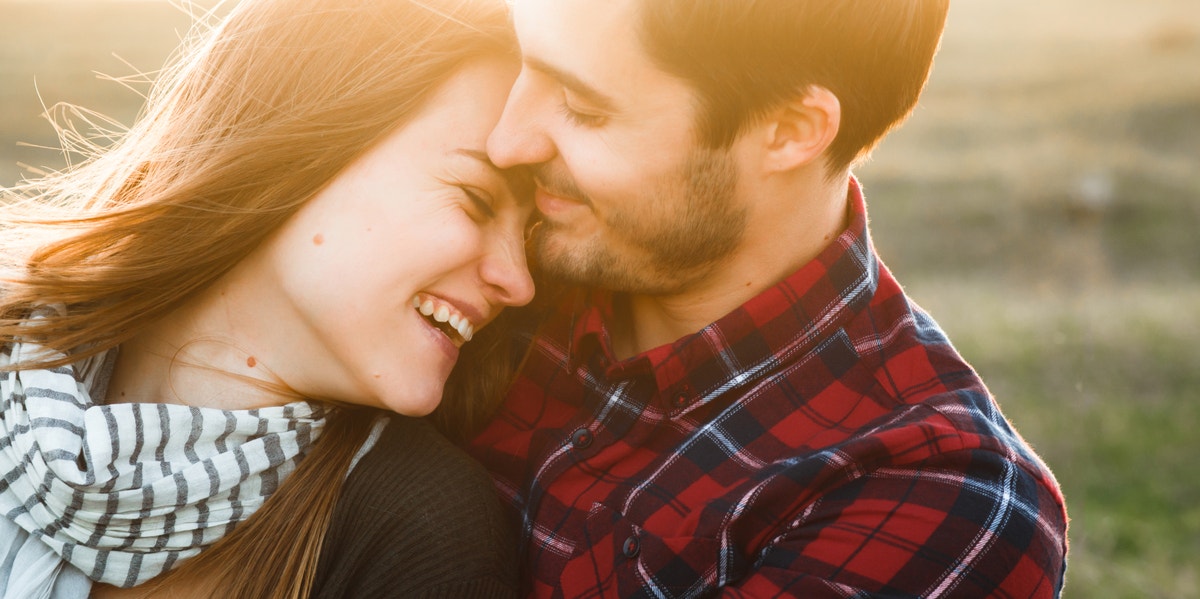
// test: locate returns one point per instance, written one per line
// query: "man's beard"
(682, 231)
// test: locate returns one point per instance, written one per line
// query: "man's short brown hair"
(745, 57)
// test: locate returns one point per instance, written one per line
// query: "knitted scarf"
(124, 491)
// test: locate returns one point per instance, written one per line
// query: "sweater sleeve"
(418, 518)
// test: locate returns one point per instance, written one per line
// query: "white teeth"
(443, 313)
(465, 329)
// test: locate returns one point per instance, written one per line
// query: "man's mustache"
(558, 182)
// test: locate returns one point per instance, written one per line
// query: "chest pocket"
(621, 558)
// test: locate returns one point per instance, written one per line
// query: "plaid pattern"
(124, 491)
(822, 440)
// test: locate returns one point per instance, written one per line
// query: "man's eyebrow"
(577, 86)
(519, 180)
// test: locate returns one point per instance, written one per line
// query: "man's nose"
(522, 137)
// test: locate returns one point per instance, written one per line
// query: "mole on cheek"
(251, 362)
(318, 239)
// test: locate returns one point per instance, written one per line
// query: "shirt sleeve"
(968, 524)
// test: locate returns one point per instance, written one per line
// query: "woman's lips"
(444, 313)
(442, 340)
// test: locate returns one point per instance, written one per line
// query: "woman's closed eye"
(480, 203)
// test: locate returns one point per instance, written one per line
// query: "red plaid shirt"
(822, 440)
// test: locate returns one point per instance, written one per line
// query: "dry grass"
(1103, 383)
(1044, 204)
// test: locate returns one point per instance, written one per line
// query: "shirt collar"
(769, 330)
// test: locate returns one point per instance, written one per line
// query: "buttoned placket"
(680, 399)
(590, 434)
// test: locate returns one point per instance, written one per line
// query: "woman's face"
(414, 247)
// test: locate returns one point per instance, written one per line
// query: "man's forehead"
(591, 39)
(541, 17)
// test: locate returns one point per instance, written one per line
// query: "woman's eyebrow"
(482, 157)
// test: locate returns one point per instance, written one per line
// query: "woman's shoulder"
(417, 514)
(415, 475)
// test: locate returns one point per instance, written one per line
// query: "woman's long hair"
(248, 122)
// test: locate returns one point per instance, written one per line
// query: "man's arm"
(968, 524)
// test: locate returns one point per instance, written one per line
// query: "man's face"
(629, 200)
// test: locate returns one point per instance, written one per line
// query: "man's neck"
(785, 232)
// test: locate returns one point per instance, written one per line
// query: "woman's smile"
(446, 318)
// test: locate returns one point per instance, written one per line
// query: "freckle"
(251, 362)
(377, 376)
(318, 239)
(122, 394)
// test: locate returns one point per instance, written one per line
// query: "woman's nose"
(506, 271)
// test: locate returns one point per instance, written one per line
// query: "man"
(734, 396)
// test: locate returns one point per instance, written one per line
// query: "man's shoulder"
(893, 372)
(908, 354)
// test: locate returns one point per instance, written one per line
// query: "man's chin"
(552, 250)
(550, 237)
(561, 256)
(586, 262)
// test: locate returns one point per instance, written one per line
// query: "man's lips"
(551, 205)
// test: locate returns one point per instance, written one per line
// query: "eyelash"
(479, 203)
(581, 119)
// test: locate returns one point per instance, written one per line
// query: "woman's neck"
(195, 356)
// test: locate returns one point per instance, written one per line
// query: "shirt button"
(581, 438)
(631, 546)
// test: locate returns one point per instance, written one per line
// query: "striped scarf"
(124, 491)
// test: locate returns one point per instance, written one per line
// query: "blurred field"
(1043, 203)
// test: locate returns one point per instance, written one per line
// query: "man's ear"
(800, 130)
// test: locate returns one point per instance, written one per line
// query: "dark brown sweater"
(418, 518)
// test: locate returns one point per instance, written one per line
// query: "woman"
(302, 226)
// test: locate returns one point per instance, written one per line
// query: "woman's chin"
(415, 403)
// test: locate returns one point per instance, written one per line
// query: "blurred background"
(1043, 203)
